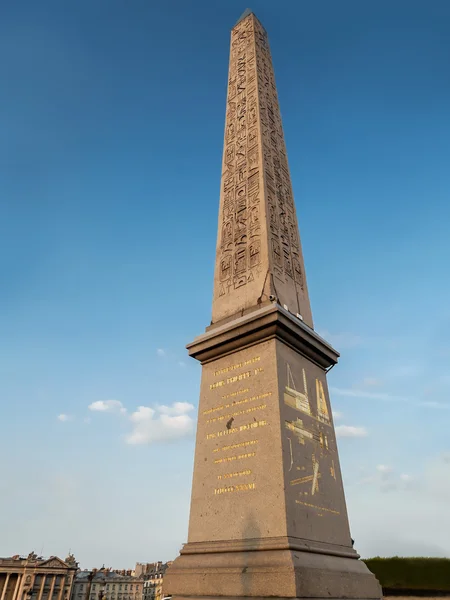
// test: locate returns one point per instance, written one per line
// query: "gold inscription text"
(236, 474)
(237, 366)
(219, 461)
(243, 487)
(234, 446)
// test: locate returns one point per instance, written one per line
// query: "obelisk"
(268, 515)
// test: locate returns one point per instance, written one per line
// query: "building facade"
(36, 578)
(106, 584)
(153, 574)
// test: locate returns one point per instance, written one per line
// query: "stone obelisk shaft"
(258, 246)
(268, 516)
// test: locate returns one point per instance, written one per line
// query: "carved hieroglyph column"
(258, 252)
(268, 514)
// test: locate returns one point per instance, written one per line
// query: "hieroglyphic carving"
(256, 186)
(284, 245)
(240, 244)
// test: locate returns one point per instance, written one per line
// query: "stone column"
(52, 587)
(5, 586)
(61, 589)
(41, 589)
(17, 587)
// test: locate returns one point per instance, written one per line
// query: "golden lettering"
(237, 366)
(240, 377)
(243, 487)
(237, 413)
(234, 394)
(236, 403)
(227, 459)
(211, 410)
(234, 379)
(234, 446)
(334, 512)
(217, 384)
(236, 474)
(247, 427)
(227, 431)
(251, 399)
(253, 425)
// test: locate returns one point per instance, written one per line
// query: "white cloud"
(181, 363)
(112, 406)
(177, 408)
(337, 415)
(371, 382)
(350, 393)
(355, 393)
(165, 423)
(161, 352)
(406, 370)
(384, 469)
(386, 480)
(434, 404)
(349, 431)
(87, 420)
(63, 417)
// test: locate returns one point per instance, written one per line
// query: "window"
(126, 586)
(131, 586)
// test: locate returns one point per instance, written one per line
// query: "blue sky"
(111, 132)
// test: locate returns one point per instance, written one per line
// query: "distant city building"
(106, 584)
(153, 574)
(33, 577)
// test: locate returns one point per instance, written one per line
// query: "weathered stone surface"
(258, 246)
(268, 515)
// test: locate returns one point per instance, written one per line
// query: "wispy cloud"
(371, 382)
(434, 404)
(384, 469)
(337, 415)
(350, 431)
(353, 393)
(387, 480)
(161, 352)
(63, 417)
(165, 423)
(110, 406)
(341, 340)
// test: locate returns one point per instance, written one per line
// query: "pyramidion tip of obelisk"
(246, 13)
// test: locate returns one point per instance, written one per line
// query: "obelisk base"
(269, 568)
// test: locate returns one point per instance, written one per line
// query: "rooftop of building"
(106, 574)
(33, 558)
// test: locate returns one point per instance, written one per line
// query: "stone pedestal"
(268, 516)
